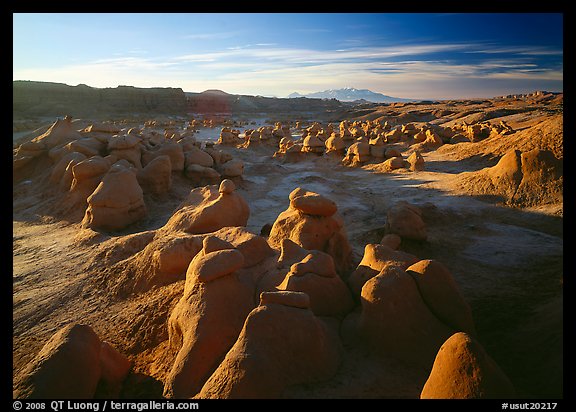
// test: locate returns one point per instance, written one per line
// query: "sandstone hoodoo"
(296, 248)
(463, 370)
(312, 221)
(406, 221)
(316, 276)
(72, 364)
(210, 208)
(395, 322)
(261, 364)
(117, 201)
(207, 320)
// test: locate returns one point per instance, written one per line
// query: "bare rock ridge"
(55, 99)
(32, 98)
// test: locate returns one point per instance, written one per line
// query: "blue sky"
(414, 55)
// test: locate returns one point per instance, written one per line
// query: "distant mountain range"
(350, 94)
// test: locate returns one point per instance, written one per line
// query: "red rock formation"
(317, 232)
(281, 343)
(210, 209)
(71, 365)
(117, 201)
(316, 276)
(463, 370)
(208, 318)
(405, 220)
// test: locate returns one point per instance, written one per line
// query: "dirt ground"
(508, 263)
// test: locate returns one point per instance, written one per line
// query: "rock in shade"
(377, 257)
(442, 295)
(316, 276)
(282, 343)
(395, 322)
(156, 176)
(405, 220)
(67, 366)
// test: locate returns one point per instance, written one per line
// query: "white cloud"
(268, 70)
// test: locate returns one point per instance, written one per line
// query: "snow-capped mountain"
(350, 94)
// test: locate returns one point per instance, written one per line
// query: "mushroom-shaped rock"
(207, 320)
(212, 265)
(117, 201)
(433, 140)
(86, 176)
(126, 147)
(227, 137)
(311, 203)
(209, 210)
(394, 135)
(357, 153)
(318, 232)
(378, 257)
(315, 275)
(67, 366)
(232, 168)
(312, 144)
(542, 178)
(156, 176)
(226, 187)
(282, 343)
(406, 221)
(197, 156)
(171, 149)
(416, 161)
(463, 370)
(335, 143)
(442, 295)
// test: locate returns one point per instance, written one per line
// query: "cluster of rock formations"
(259, 314)
(360, 142)
(107, 171)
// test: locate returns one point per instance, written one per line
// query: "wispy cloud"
(264, 66)
(518, 50)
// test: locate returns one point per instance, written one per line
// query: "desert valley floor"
(502, 244)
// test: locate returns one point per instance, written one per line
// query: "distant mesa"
(350, 94)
